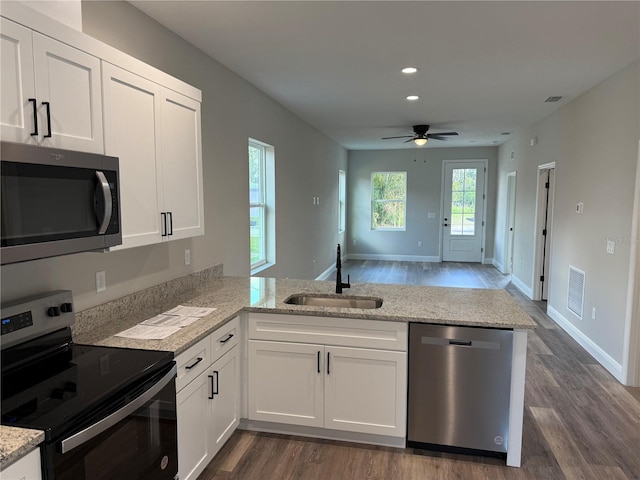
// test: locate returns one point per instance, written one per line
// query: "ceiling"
(485, 68)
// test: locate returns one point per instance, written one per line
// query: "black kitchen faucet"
(339, 284)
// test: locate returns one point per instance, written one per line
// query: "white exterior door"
(132, 119)
(69, 96)
(17, 115)
(463, 210)
(365, 391)
(286, 383)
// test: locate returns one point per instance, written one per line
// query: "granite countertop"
(16, 443)
(231, 295)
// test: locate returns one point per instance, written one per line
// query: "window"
(463, 201)
(261, 204)
(342, 200)
(388, 200)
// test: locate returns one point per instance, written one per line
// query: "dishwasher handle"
(453, 342)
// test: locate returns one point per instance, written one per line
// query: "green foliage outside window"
(388, 200)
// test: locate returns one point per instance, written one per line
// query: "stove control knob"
(66, 308)
(53, 312)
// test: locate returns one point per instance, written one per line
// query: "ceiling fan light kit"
(420, 135)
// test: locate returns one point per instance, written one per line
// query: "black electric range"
(91, 402)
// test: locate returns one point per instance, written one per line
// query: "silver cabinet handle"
(96, 429)
(103, 186)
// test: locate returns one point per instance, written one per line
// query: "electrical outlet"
(187, 257)
(101, 281)
(419, 244)
(593, 313)
(355, 242)
(611, 247)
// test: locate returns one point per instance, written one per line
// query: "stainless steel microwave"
(57, 202)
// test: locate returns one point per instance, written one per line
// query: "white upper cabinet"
(51, 92)
(155, 133)
(132, 119)
(182, 165)
(17, 112)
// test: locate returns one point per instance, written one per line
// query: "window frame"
(342, 201)
(262, 204)
(395, 200)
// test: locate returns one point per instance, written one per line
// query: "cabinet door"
(225, 404)
(69, 80)
(366, 391)
(131, 120)
(194, 427)
(17, 117)
(182, 165)
(27, 468)
(286, 382)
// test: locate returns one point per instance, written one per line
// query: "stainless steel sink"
(334, 301)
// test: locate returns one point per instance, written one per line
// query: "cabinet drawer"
(348, 332)
(225, 338)
(192, 362)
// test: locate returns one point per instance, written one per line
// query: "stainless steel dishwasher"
(459, 388)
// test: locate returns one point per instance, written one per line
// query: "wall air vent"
(575, 292)
(552, 99)
(505, 133)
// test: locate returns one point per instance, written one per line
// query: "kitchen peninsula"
(239, 297)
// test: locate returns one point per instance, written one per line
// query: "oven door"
(136, 442)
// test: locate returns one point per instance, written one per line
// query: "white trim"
(585, 342)
(488, 261)
(497, 264)
(537, 242)
(516, 403)
(520, 285)
(327, 273)
(393, 258)
(485, 199)
(509, 236)
(631, 352)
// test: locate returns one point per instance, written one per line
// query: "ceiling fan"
(420, 135)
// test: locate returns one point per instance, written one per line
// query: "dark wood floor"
(579, 422)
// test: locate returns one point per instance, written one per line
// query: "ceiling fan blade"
(436, 136)
(401, 136)
(407, 141)
(444, 133)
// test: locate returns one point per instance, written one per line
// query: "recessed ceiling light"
(409, 70)
(413, 98)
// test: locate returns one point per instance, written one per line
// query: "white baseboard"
(498, 265)
(585, 342)
(393, 258)
(488, 261)
(520, 285)
(324, 275)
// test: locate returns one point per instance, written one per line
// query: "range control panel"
(37, 315)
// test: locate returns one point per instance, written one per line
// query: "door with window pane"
(463, 212)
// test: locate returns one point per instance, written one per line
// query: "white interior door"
(510, 223)
(463, 210)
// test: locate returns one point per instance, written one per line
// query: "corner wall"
(594, 141)
(233, 110)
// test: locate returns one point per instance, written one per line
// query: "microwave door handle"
(104, 217)
(96, 429)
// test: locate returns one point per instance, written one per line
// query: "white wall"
(424, 178)
(307, 164)
(594, 142)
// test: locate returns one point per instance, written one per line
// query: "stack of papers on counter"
(165, 324)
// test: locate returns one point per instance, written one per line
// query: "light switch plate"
(101, 281)
(611, 247)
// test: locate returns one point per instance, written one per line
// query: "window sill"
(262, 267)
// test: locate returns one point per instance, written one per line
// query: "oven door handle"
(96, 429)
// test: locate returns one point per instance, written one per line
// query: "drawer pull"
(189, 367)
(227, 338)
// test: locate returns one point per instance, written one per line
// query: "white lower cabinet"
(27, 468)
(360, 390)
(208, 406)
